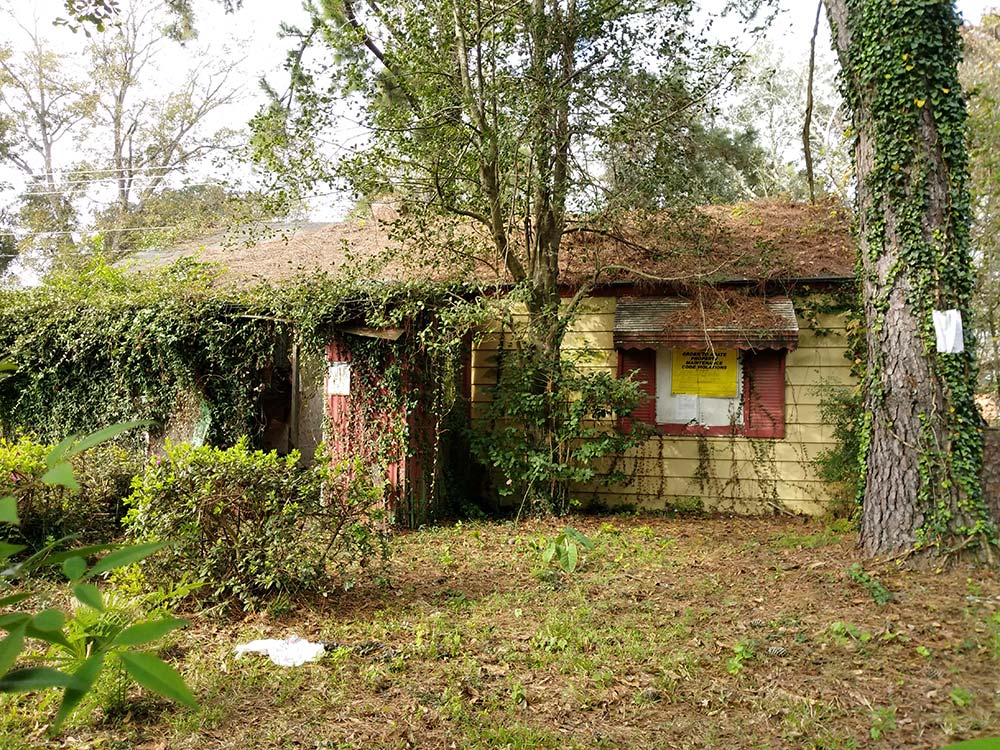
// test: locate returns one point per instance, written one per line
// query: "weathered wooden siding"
(737, 474)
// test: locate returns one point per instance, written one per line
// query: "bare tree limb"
(807, 122)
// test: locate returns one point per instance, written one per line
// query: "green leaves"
(568, 556)
(84, 679)
(124, 556)
(61, 475)
(48, 620)
(8, 550)
(60, 472)
(544, 439)
(74, 567)
(248, 546)
(35, 678)
(90, 595)
(104, 435)
(563, 549)
(8, 511)
(50, 625)
(156, 675)
(12, 599)
(10, 647)
(146, 632)
(879, 593)
(582, 539)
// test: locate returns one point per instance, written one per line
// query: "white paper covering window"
(692, 409)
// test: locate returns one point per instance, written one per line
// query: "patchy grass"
(672, 633)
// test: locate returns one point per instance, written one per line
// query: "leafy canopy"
(530, 118)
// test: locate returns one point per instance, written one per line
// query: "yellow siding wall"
(731, 474)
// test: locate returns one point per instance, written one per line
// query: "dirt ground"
(672, 633)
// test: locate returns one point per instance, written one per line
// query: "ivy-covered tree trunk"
(921, 443)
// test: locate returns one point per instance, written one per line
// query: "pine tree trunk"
(922, 448)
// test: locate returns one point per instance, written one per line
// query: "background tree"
(145, 137)
(139, 140)
(42, 102)
(698, 162)
(769, 100)
(8, 244)
(99, 14)
(175, 214)
(921, 439)
(980, 74)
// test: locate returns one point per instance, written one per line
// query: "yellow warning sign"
(704, 373)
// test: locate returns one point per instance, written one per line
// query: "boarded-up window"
(699, 388)
(699, 401)
(764, 394)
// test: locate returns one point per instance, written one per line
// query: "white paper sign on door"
(338, 379)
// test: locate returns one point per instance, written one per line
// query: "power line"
(109, 230)
(81, 251)
(104, 230)
(106, 170)
(60, 192)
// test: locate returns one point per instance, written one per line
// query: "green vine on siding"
(104, 345)
(899, 57)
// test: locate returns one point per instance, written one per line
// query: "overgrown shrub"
(102, 345)
(840, 465)
(252, 525)
(49, 512)
(545, 430)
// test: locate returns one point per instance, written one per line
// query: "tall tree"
(138, 139)
(921, 439)
(502, 113)
(980, 74)
(508, 115)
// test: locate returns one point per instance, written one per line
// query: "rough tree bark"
(923, 448)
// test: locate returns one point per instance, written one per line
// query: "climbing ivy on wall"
(899, 80)
(103, 345)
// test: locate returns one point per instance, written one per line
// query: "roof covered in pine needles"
(760, 241)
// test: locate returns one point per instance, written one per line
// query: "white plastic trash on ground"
(291, 652)
(948, 328)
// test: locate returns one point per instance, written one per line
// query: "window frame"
(761, 418)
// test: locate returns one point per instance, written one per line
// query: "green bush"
(547, 428)
(50, 512)
(85, 644)
(840, 465)
(252, 525)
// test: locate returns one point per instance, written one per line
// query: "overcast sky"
(251, 35)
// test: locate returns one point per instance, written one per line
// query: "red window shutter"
(764, 393)
(643, 363)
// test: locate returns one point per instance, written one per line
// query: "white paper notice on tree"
(948, 328)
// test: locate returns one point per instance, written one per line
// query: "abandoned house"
(738, 333)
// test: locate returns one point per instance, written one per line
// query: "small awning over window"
(725, 322)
